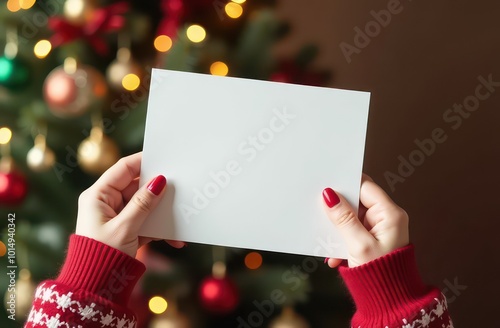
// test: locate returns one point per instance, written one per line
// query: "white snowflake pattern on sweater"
(64, 302)
(424, 318)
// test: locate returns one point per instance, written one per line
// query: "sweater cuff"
(100, 269)
(389, 287)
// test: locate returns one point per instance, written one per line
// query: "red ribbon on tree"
(104, 20)
(173, 12)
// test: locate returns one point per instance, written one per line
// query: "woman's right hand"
(381, 228)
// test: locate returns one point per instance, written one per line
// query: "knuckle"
(345, 218)
(404, 215)
(364, 250)
(124, 162)
(142, 202)
(83, 197)
(400, 216)
(121, 161)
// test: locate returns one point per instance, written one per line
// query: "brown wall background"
(428, 58)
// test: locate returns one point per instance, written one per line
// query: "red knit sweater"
(96, 280)
(388, 292)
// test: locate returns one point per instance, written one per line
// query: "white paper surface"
(246, 161)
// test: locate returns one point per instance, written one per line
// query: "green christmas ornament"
(14, 73)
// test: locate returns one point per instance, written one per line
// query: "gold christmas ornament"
(172, 318)
(97, 153)
(122, 66)
(178, 321)
(23, 295)
(289, 319)
(40, 158)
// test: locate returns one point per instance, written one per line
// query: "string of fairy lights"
(129, 81)
(162, 43)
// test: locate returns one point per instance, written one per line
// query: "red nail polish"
(326, 260)
(330, 197)
(157, 185)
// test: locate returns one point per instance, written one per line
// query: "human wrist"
(387, 287)
(376, 251)
(100, 269)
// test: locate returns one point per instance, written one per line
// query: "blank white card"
(246, 161)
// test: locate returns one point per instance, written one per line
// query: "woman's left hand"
(114, 208)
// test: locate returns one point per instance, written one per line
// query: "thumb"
(345, 219)
(142, 203)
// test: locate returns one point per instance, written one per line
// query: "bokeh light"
(211, 290)
(4, 183)
(5, 136)
(239, 1)
(219, 68)
(163, 43)
(70, 65)
(13, 5)
(6, 68)
(131, 82)
(26, 4)
(42, 48)
(233, 10)
(3, 249)
(253, 260)
(158, 304)
(73, 9)
(196, 33)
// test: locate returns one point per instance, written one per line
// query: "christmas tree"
(74, 80)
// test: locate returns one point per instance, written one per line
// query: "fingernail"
(326, 260)
(157, 185)
(330, 197)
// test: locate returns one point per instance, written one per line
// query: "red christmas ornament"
(72, 94)
(218, 295)
(13, 188)
(60, 89)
